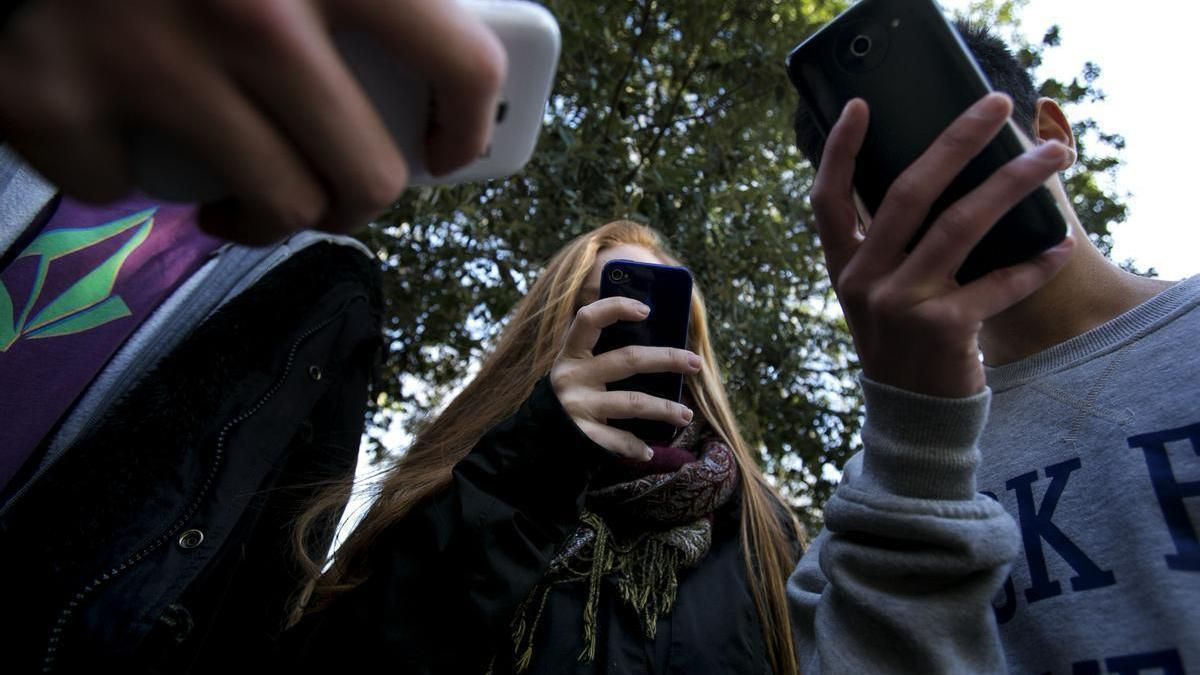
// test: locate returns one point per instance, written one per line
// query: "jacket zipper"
(66, 613)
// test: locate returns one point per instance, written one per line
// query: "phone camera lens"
(863, 46)
(860, 46)
(617, 275)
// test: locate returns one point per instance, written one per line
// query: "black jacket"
(446, 580)
(160, 542)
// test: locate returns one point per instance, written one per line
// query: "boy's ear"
(1050, 123)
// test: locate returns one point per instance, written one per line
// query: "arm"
(902, 576)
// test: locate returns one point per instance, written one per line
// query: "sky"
(1145, 55)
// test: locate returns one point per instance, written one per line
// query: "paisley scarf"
(642, 523)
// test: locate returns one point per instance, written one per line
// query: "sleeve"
(901, 578)
(23, 194)
(447, 579)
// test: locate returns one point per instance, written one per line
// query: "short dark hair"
(996, 61)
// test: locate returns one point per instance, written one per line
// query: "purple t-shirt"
(72, 296)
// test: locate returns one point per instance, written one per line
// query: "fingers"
(628, 361)
(832, 195)
(998, 290)
(959, 228)
(616, 441)
(463, 59)
(579, 378)
(246, 223)
(289, 62)
(636, 405)
(593, 318)
(914, 191)
(255, 90)
(98, 174)
(48, 112)
(592, 409)
(274, 193)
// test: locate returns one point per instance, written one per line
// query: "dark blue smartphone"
(667, 291)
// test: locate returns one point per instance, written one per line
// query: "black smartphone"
(906, 60)
(667, 291)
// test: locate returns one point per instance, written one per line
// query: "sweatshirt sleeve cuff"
(921, 446)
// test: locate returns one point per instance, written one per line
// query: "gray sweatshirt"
(1087, 475)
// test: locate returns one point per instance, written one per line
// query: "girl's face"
(591, 287)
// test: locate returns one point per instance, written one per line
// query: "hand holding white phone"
(531, 39)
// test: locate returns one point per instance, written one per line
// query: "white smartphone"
(531, 38)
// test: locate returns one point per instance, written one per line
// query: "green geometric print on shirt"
(86, 304)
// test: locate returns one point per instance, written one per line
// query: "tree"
(677, 115)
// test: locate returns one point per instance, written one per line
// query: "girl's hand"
(580, 379)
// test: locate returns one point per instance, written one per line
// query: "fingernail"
(997, 105)
(649, 454)
(643, 309)
(694, 361)
(687, 415)
(851, 102)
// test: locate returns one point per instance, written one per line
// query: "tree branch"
(674, 105)
(634, 53)
(693, 63)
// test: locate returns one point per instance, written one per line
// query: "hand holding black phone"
(914, 72)
(667, 291)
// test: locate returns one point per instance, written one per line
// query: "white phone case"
(531, 38)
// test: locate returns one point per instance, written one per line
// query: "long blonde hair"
(523, 355)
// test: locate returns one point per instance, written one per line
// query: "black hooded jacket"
(445, 581)
(160, 541)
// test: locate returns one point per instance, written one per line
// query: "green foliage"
(677, 115)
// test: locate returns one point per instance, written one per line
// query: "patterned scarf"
(643, 522)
